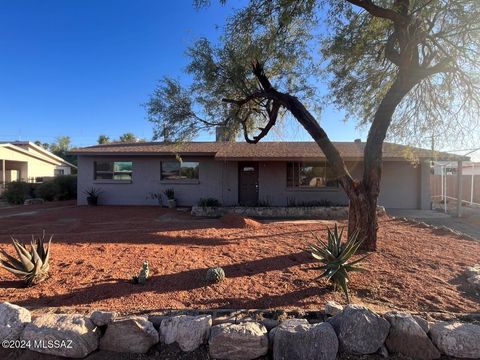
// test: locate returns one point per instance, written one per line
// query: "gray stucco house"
(267, 173)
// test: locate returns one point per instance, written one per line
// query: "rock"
(67, 335)
(244, 341)
(297, 339)
(408, 338)
(422, 323)
(102, 318)
(475, 281)
(35, 201)
(473, 270)
(13, 319)
(457, 339)
(131, 335)
(156, 319)
(383, 351)
(269, 323)
(188, 331)
(359, 330)
(333, 308)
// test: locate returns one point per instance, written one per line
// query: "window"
(310, 175)
(58, 172)
(113, 170)
(176, 170)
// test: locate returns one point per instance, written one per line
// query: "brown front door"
(248, 183)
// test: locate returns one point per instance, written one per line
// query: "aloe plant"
(335, 256)
(32, 264)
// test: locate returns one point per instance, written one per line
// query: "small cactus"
(143, 275)
(215, 275)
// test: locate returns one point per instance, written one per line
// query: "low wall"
(238, 335)
(279, 212)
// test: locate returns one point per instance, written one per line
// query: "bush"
(47, 190)
(66, 186)
(208, 202)
(17, 192)
(62, 187)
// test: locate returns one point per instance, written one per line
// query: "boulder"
(359, 330)
(131, 335)
(473, 270)
(13, 319)
(102, 318)
(422, 322)
(333, 308)
(297, 339)
(457, 339)
(67, 335)
(269, 323)
(408, 338)
(188, 331)
(475, 281)
(244, 341)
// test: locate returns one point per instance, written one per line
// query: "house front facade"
(25, 161)
(267, 174)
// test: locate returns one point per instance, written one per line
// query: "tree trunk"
(362, 217)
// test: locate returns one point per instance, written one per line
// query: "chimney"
(358, 140)
(222, 134)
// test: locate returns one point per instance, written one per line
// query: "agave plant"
(32, 263)
(335, 257)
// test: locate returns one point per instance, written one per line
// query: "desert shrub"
(17, 192)
(63, 187)
(170, 193)
(208, 202)
(335, 256)
(66, 187)
(47, 190)
(32, 264)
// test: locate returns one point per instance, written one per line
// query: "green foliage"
(16, 192)
(47, 190)
(32, 264)
(61, 147)
(335, 257)
(103, 139)
(208, 202)
(93, 192)
(128, 138)
(438, 41)
(66, 187)
(62, 187)
(170, 193)
(215, 275)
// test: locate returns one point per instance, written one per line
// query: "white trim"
(44, 151)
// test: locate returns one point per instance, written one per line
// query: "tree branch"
(378, 11)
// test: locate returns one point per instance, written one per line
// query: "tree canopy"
(350, 46)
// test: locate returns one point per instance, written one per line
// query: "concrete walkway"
(468, 225)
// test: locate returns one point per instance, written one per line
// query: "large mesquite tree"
(405, 68)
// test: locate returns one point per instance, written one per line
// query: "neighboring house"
(25, 161)
(267, 173)
(450, 168)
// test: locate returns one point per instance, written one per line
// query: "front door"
(248, 183)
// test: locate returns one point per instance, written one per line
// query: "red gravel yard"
(96, 250)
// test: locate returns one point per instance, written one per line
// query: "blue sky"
(83, 68)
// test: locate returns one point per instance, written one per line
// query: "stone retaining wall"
(279, 212)
(352, 330)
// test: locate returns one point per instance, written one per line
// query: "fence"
(470, 187)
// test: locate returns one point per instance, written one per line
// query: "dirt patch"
(239, 221)
(96, 250)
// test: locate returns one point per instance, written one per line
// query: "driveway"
(469, 224)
